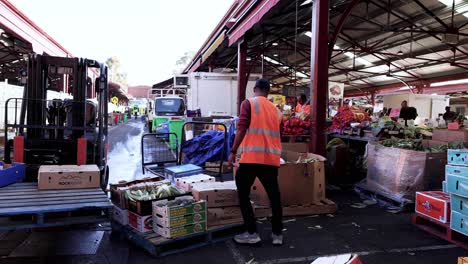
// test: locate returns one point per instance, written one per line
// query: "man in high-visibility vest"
(259, 138)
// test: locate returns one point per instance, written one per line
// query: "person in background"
(259, 137)
(407, 112)
(449, 116)
(302, 104)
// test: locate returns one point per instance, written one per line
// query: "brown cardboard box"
(117, 194)
(300, 184)
(57, 177)
(216, 194)
(214, 167)
(446, 135)
(224, 216)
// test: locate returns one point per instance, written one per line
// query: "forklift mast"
(59, 131)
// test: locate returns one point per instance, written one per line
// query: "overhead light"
(275, 55)
(275, 44)
(308, 33)
(449, 83)
(351, 55)
(434, 94)
(248, 59)
(404, 88)
(400, 52)
(306, 2)
(273, 61)
(301, 75)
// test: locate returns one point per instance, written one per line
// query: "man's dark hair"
(263, 85)
(447, 108)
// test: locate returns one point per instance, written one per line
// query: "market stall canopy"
(397, 44)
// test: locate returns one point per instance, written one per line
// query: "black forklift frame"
(33, 124)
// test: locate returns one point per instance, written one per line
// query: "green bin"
(175, 126)
(159, 120)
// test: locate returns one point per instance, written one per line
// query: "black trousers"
(268, 176)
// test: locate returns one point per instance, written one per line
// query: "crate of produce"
(187, 183)
(456, 170)
(459, 204)
(140, 200)
(179, 231)
(458, 157)
(141, 223)
(179, 212)
(457, 185)
(117, 191)
(216, 194)
(174, 172)
(459, 223)
(435, 205)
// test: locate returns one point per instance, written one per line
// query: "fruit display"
(347, 115)
(295, 126)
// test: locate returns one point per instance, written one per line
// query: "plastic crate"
(12, 173)
(458, 157)
(175, 126)
(456, 170)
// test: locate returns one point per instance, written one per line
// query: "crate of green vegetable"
(140, 200)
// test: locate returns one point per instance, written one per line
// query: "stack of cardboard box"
(187, 183)
(222, 202)
(179, 218)
(457, 186)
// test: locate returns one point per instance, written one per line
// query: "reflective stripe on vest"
(265, 132)
(256, 105)
(262, 150)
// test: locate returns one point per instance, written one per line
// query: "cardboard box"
(175, 211)
(58, 177)
(300, 184)
(458, 157)
(459, 204)
(187, 183)
(435, 205)
(180, 220)
(446, 135)
(457, 185)
(216, 194)
(459, 223)
(456, 170)
(142, 224)
(224, 216)
(462, 260)
(120, 215)
(180, 231)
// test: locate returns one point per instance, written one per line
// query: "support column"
(319, 75)
(241, 73)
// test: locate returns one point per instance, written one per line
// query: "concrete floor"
(377, 236)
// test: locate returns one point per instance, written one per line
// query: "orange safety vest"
(262, 141)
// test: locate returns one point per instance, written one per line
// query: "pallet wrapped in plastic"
(402, 172)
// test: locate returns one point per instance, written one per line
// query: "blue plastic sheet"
(208, 147)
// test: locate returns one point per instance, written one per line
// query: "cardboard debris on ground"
(339, 259)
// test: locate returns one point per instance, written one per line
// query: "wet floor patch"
(125, 158)
(59, 244)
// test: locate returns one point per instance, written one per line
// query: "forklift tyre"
(105, 179)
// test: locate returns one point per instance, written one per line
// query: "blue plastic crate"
(12, 173)
(457, 185)
(444, 186)
(457, 157)
(459, 223)
(175, 172)
(456, 170)
(459, 204)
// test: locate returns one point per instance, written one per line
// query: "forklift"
(59, 131)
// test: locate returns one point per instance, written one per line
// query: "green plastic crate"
(175, 126)
(159, 120)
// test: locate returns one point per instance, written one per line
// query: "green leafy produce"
(153, 192)
(334, 142)
(417, 145)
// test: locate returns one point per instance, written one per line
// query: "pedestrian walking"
(259, 138)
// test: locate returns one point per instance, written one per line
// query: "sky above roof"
(148, 36)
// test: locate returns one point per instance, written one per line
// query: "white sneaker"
(246, 238)
(277, 239)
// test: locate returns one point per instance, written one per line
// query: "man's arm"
(242, 125)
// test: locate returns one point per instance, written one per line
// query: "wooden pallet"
(323, 207)
(385, 198)
(159, 246)
(23, 206)
(440, 230)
